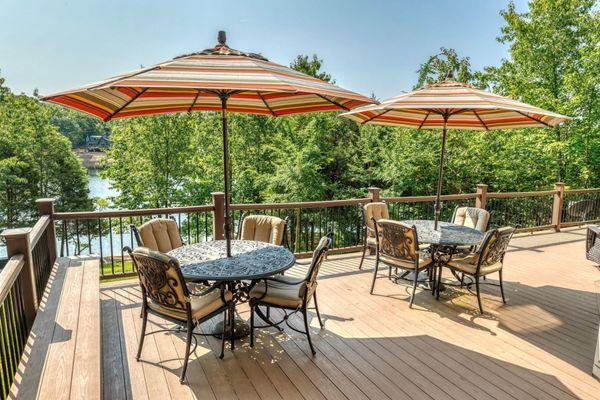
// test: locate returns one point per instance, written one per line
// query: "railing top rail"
(521, 194)
(420, 199)
(38, 229)
(306, 204)
(9, 274)
(582, 191)
(130, 213)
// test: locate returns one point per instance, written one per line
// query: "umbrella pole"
(227, 226)
(438, 203)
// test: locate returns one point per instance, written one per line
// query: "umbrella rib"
(266, 104)
(424, 119)
(333, 102)
(480, 120)
(533, 118)
(125, 105)
(376, 116)
(195, 99)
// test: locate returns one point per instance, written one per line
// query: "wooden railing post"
(218, 215)
(374, 194)
(46, 207)
(557, 206)
(17, 242)
(481, 200)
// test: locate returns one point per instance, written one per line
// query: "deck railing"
(31, 253)
(106, 232)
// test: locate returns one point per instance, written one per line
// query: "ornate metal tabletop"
(250, 260)
(448, 234)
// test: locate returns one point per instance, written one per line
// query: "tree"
(311, 66)
(35, 161)
(550, 47)
(445, 65)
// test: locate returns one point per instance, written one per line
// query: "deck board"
(539, 345)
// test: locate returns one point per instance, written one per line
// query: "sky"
(372, 46)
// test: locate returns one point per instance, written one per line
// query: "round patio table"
(448, 234)
(250, 261)
(443, 241)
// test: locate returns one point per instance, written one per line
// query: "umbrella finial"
(222, 38)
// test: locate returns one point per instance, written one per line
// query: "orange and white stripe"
(466, 108)
(193, 83)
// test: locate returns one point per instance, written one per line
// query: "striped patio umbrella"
(453, 105)
(217, 79)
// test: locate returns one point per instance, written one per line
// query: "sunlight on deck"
(538, 346)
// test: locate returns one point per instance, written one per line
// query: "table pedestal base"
(240, 329)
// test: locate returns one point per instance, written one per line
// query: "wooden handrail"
(422, 199)
(9, 274)
(582, 191)
(306, 204)
(499, 195)
(38, 229)
(129, 213)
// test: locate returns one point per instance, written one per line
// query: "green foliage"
(35, 161)
(76, 126)
(177, 159)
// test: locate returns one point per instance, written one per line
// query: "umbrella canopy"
(453, 105)
(216, 79)
(198, 81)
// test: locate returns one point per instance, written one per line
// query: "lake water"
(100, 187)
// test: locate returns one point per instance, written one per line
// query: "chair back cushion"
(376, 211)
(494, 246)
(160, 234)
(161, 279)
(315, 265)
(398, 243)
(263, 228)
(472, 217)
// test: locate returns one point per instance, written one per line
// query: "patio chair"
(398, 247)
(472, 217)
(488, 258)
(263, 228)
(165, 294)
(592, 245)
(158, 234)
(370, 212)
(287, 293)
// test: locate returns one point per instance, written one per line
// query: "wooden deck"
(538, 346)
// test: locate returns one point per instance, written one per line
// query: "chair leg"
(223, 336)
(502, 287)
(375, 273)
(362, 259)
(312, 349)
(439, 281)
(142, 333)
(232, 326)
(251, 324)
(317, 309)
(412, 297)
(478, 294)
(188, 345)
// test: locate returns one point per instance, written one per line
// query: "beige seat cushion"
(371, 241)
(472, 217)
(280, 294)
(201, 306)
(160, 234)
(468, 264)
(424, 261)
(263, 228)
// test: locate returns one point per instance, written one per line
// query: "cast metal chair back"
(165, 293)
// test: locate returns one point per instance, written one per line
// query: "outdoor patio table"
(445, 239)
(250, 261)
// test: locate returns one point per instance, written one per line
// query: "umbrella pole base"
(240, 329)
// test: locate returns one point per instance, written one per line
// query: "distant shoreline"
(90, 159)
